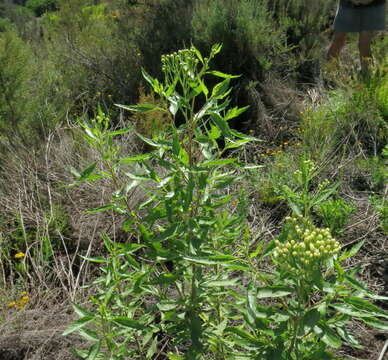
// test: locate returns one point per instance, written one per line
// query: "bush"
(252, 42)
(39, 7)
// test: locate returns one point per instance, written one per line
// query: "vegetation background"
(63, 61)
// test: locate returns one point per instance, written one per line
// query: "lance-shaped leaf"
(127, 322)
(273, 291)
(140, 108)
(78, 324)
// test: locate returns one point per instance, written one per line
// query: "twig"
(383, 351)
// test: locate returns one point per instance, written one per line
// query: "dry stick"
(383, 351)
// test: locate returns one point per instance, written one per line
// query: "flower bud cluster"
(303, 246)
(182, 62)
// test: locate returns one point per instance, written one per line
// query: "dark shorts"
(371, 18)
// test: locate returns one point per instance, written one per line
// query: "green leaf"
(219, 162)
(274, 291)
(98, 260)
(376, 323)
(353, 251)
(243, 334)
(101, 209)
(93, 351)
(329, 337)
(140, 108)
(88, 334)
(310, 319)
(363, 289)
(175, 357)
(80, 311)
(152, 349)
(212, 260)
(214, 132)
(221, 89)
(148, 77)
(119, 132)
(135, 158)
(221, 124)
(222, 75)
(87, 172)
(365, 305)
(127, 322)
(340, 271)
(349, 310)
(257, 251)
(234, 112)
(219, 283)
(78, 324)
(148, 141)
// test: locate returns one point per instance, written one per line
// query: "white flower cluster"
(304, 246)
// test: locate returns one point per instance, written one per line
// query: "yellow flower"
(11, 304)
(20, 255)
(25, 298)
(23, 293)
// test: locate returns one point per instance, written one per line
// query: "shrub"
(252, 42)
(15, 73)
(39, 7)
(335, 214)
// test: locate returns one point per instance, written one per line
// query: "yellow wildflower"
(20, 255)
(23, 293)
(11, 304)
(25, 298)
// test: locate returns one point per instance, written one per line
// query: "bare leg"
(336, 45)
(364, 45)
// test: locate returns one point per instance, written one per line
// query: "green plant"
(167, 288)
(177, 288)
(381, 207)
(302, 197)
(39, 7)
(334, 214)
(301, 309)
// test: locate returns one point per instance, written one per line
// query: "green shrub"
(335, 214)
(15, 73)
(381, 207)
(252, 42)
(39, 7)
(349, 118)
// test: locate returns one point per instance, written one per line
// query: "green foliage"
(40, 7)
(335, 214)
(303, 309)
(302, 197)
(183, 226)
(179, 286)
(29, 103)
(351, 117)
(93, 50)
(15, 72)
(381, 207)
(377, 168)
(247, 31)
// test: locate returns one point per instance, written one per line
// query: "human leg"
(364, 45)
(336, 45)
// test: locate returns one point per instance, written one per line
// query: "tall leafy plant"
(154, 293)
